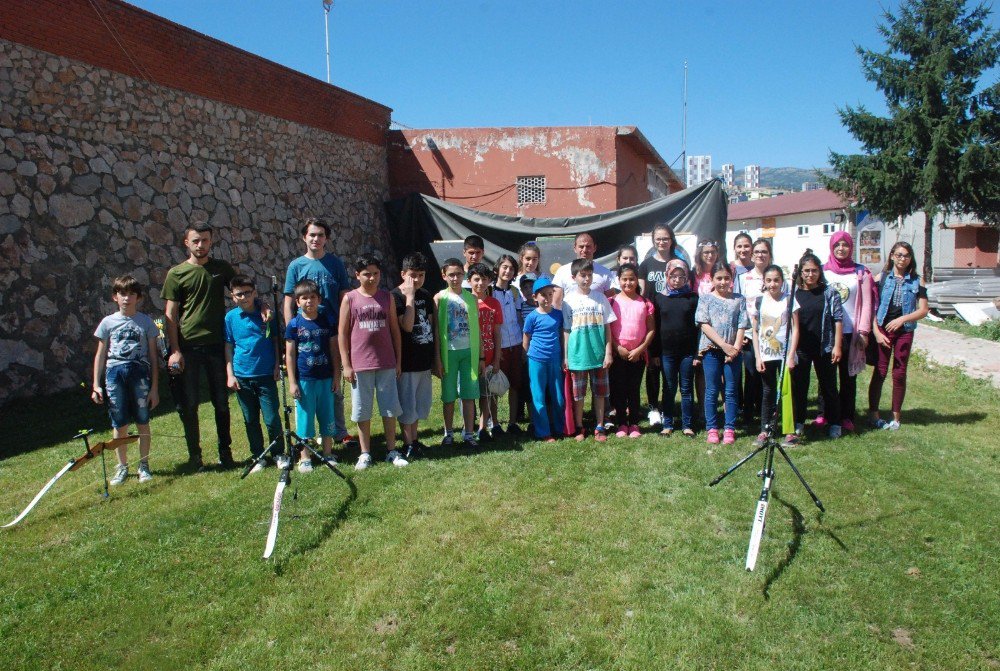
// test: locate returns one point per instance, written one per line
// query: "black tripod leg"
(311, 446)
(805, 484)
(261, 459)
(735, 466)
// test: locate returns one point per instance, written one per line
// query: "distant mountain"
(789, 178)
(783, 178)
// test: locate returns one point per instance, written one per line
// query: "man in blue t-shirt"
(330, 275)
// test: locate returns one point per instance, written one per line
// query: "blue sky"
(764, 77)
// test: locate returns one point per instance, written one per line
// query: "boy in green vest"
(462, 358)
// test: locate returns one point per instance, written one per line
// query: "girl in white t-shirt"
(770, 346)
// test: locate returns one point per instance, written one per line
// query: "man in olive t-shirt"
(196, 308)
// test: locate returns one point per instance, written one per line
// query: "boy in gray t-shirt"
(123, 366)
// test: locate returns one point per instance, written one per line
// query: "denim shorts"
(127, 386)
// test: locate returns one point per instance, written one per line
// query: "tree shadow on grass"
(925, 416)
(40, 422)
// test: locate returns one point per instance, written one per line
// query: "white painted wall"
(788, 244)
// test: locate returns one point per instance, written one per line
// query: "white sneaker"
(144, 474)
(396, 459)
(891, 426)
(306, 465)
(654, 417)
(364, 461)
(258, 467)
(121, 473)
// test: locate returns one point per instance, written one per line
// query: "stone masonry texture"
(101, 172)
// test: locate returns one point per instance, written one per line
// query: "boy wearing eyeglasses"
(252, 366)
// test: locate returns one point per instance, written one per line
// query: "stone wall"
(101, 172)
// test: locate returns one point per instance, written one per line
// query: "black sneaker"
(469, 441)
(194, 465)
(497, 431)
(227, 463)
(514, 430)
(413, 451)
(484, 436)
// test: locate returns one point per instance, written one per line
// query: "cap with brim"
(540, 284)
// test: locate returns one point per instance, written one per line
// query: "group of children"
(691, 328)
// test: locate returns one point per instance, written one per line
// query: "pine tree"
(938, 150)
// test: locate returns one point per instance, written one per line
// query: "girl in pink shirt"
(705, 258)
(631, 334)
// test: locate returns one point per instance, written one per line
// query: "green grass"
(989, 330)
(525, 556)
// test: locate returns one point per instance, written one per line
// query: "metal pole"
(684, 126)
(327, 5)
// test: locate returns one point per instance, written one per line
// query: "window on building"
(829, 229)
(803, 231)
(530, 190)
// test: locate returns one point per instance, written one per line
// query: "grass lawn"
(988, 331)
(522, 556)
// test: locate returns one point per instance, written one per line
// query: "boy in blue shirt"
(542, 341)
(252, 367)
(313, 361)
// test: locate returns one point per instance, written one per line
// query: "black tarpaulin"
(416, 221)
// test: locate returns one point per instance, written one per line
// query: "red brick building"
(535, 171)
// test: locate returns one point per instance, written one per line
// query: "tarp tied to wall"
(416, 221)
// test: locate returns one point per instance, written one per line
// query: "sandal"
(666, 432)
(688, 433)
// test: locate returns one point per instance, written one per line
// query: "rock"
(85, 185)
(14, 351)
(7, 185)
(133, 208)
(27, 169)
(124, 172)
(43, 305)
(99, 165)
(46, 184)
(135, 251)
(142, 190)
(20, 206)
(70, 327)
(10, 223)
(158, 234)
(70, 210)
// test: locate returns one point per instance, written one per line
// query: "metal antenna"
(684, 125)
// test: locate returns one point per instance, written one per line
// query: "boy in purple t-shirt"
(370, 349)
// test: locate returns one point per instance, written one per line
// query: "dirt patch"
(903, 638)
(913, 572)
(386, 626)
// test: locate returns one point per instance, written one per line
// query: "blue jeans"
(678, 369)
(259, 395)
(547, 403)
(717, 371)
(127, 386)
